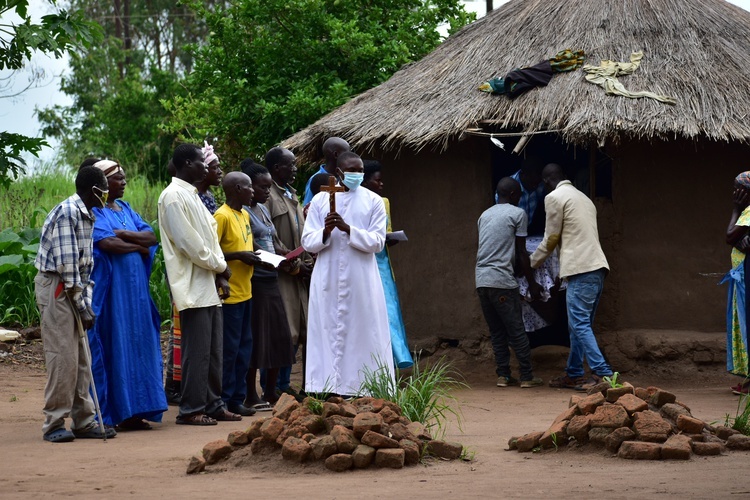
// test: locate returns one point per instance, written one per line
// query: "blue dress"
(125, 340)
(401, 354)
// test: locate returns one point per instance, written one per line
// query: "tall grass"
(28, 200)
(23, 208)
(424, 396)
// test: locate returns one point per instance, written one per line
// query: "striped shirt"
(66, 247)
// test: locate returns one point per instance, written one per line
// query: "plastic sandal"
(61, 435)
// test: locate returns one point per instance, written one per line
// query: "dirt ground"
(150, 464)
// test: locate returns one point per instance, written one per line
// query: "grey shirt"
(498, 227)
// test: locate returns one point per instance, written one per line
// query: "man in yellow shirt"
(236, 241)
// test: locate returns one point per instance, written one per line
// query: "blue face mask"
(352, 180)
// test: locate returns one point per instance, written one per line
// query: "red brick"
(377, 440)
(637, 450)
(528, 442)
(216, 450)
(609, 415)
(296, 449)
(367, 421)
(555, 435)
(616, 438)
(690, 425)
(705, 449)
(632, 403)
(392, 458)
(579, 428)
(339, 462)
(677, 447)
(651, 427)
(590, 403)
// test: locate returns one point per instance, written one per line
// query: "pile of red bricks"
(634, 423)
(345, 435)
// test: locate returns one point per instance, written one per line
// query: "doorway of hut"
(590, 171)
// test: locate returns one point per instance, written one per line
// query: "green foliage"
(158, 284)
(272, 67)
(23, 208)
(741, 420)
(117, 86)
(17, 272)
(55, 35)
(612, 381)
(12, 146)
(423, 396)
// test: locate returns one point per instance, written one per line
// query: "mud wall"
(437, 199)
(664, 234)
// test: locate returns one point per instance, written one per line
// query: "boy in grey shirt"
(502, 233)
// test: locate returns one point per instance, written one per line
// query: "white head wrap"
(109, 167)
(208, 153)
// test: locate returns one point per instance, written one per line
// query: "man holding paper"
(288, 218)
(236, 240)
(348, 325)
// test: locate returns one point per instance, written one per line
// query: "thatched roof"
(695, 50)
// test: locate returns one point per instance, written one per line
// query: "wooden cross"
(332, 189)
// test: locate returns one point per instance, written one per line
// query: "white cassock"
(347, 327)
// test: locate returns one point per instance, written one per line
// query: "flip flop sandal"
(60, 435)
(197, 419)
(225, 415)
(262, 407)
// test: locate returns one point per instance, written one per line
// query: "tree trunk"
(118, 34)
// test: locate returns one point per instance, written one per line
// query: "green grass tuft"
(423, 396)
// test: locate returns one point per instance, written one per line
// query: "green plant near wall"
(17, 253)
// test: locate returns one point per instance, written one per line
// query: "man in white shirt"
(195, 268)
(571, 223)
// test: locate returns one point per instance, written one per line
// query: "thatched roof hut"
(695, 50)
(670, 167)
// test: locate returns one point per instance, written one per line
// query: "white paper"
(270, 258)
(396, 236)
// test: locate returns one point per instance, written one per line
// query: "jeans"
(584, 292)
(238, 347)
(502, 311)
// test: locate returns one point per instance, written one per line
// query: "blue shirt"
(308, 193)
(529, 199)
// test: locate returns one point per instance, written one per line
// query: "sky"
(17, 113)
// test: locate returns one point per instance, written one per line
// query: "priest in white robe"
(347, 330)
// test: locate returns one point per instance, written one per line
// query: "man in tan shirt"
(571, 224)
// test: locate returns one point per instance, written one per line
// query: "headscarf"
(743, 180)
(208, 153)
(109, 167)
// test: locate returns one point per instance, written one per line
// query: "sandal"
(565, 382)
(133, 424)
(262, 406)
(61, 435)
(195, 419)
(224, 415)
(94, 431)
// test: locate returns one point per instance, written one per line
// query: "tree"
(272, 67)
(56, 34)
(117, 86)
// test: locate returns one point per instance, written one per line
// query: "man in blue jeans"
(571, 223)
(502, 235)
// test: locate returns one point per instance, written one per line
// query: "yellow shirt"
(744, 220)
(235, 235)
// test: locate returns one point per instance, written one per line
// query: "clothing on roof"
(521, 80)
(605, 75)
